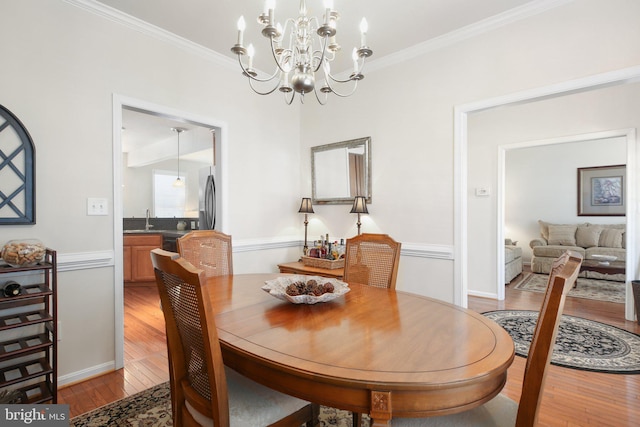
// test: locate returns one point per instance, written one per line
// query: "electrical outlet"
(96, 206)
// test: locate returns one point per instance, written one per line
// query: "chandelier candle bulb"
(328, 4)
(241, 26)
(354, 55)
(364, 27)
(250, 51)
(270, 5)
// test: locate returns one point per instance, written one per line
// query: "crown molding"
(150, 30)
(465, 33)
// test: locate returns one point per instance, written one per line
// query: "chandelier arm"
(250, 73)
(315, 91)
(344, 95)
(275, 56)
(263, 93)
(324, 50)
(290, 100)
(330, 77)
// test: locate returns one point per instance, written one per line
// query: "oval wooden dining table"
(375, 351)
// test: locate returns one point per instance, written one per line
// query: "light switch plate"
(97, 206)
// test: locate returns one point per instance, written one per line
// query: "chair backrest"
(196, 367)
(563, 274)
(372, 259)
(209, 250)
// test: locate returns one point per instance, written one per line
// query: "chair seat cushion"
(499, 412)
(252, 404)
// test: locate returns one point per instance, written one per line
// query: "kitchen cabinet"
(137, 256)
(29, 333)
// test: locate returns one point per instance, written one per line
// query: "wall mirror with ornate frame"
(341, 171)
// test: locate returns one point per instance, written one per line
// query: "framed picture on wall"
(601, 191)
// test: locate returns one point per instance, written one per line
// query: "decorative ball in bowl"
(23, 253)
(300, 289)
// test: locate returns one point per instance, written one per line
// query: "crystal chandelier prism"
(303, 51)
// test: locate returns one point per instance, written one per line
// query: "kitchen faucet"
(147, 226)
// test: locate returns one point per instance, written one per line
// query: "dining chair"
(203, 391)
(209, 250)
(502, 411)
(372, 259)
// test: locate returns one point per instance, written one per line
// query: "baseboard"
(86, 374)
(483, 294)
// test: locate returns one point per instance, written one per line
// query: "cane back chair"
(502, 411)
(203, 391)
(209, 250)
(372, 259)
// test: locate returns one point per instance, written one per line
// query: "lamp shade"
(305, 206)
(359, 205)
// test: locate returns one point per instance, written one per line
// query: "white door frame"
(119, 102)
(461, 113)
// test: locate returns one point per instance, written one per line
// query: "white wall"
(541, 184)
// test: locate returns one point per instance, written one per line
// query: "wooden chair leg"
(315, 418)
(357, 419)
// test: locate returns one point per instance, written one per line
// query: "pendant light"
(178, 182)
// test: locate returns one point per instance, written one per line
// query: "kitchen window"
(169, 200)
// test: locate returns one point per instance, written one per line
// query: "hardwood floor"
(571, 397)
(145, 356)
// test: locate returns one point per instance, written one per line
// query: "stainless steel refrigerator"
(207, 199)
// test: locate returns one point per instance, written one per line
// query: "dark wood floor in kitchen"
(571, 398)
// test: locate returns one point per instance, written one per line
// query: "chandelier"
(303, 51)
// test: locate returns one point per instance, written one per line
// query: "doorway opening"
(461, 176)
(157, 118)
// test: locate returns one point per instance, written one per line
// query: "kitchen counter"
(169, 237)
(172, 233)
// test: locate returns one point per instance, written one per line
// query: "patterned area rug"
(601, 290)
(152, 408)
(580, 344)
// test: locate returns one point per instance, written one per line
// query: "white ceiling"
(393, 27)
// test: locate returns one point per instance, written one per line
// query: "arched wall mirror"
(341, 171)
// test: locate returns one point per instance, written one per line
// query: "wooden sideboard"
(300, 268)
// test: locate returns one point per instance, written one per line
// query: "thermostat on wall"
(483, 191)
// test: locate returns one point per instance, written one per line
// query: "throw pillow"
(611, 238)
(544, 229)
(564, 235)
(588, 236)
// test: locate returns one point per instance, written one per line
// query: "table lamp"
(305, 208)
(359, 207)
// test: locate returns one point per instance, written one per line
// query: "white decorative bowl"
(277, 288)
